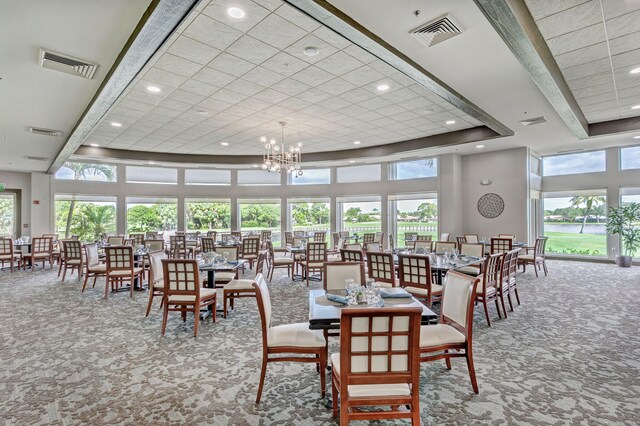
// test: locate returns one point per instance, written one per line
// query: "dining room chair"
(207, 244)
(344, 234)
(336, 273)
(299, 234)
(94, 268)
(121, 269)
(41, 250)
(251, 249)
(138, 237)
(212, 234)
(452, 337)
(410, 237)
(177, 246)
(424, 246)
(441, 247)
(221, 278)
(460, 240)
(378, 365)
(381, 268)
(280, 262)
(296, 341)
(315, 258)
(115, 240)
(379, 238)
(351, 255)
(372, 246)
(392, 245)
(511, 281)
(129, 242)
(183, 293)
(368, 237)
(444, 237)
(510, 236)
(154, 245)
(156, 277)
(424, 238)
(487, 289)
(471, 238)
(503, 287)
(475, 250)
(73, 258)
(319, 236)
(535, 256)
(353, 246)
(265, 235)
(9, 255)
(415, 276)
(242, 288)
(501, 245)
(335, 238)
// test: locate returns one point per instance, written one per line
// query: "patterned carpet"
(568, 355)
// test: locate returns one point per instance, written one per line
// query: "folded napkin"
(232, 262)
(388, 293)
(337, 298)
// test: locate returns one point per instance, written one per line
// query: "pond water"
(589, 228)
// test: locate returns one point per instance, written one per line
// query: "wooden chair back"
(511, 236)
(457, 303)
(288, 238)
(501, 245)
(212, 234)
(441, 247)
(491, 270)
(510, 267)
(261, 263)
(233, 252)
(351, 255)
(208, 244)
(424, 238)
(471, 238)
(353, 246)
(119, 258)
(41, 246)
(373, 246)
(177, 245)
(414, 271)
(319, 236)
(539, 247)
(237, 235)
(299, 234)
(156, 270)
(6, 247)
(138, 237)
(335, 274)
(316, 252)
(335, 238)
(225, 237)
(251, 246)
(344, 234)
(460, 240)
(410, 236)
(379, 238)
(129, 242)
(472, 249)
(181, 278)
(72, 250)
(154, 245)
(264, 305)
(381, 267)
(369, 237)
(54, 237)
(445, 237)
(116, 240)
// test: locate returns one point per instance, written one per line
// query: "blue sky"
(583, 162)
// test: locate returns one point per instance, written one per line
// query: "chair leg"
(510, 303)
(535, 270)
(498, 308)
(472, 370)
(224, 312)
(262, 374)
(334, 397)
(84, 284)
(515, 290)
(196, 321)
(544, 265)
(60, 269)
(164, 317)
(183, 312)
(323, 372)
(64, 271)
(486, 312)
(447, 360)
(95, 277)
(150, 302)
(106, 287)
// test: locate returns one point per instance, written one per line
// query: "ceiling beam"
(475, 134)
(158, 22)
(336, 20)
(513, 22)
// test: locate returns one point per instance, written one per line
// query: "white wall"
(508, 170)
(42, 212)
(22, 182)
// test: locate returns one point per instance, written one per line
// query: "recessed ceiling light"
(635, 71)
(4, 137)
(352, 161)
(114, 124)
(151, 162)
(255, 166)
(203, 112)
(427, 111)
(153, 89)
(311, 51)
(383, 87)
(235, 12)
(636, 106)
(224, 143)
(479, 146)
(356, 143)
(450, 122)
(637, 137)
(94, 145)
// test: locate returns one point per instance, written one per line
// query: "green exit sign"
(2, 186)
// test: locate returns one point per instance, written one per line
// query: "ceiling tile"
(177, 65)
(284, 64)
(584, 37)
(625, 43)
(277, 31)
(213, 77)
(199, 87)
(187, 97)
(228, 96)
(314, 96)
(324, 49)
(263, 76)
(164, 78)
(363, 76)
(299, 19)
(590, 68)
(251, 49)
(323, 33)
(270, 95)
(291, 87)
(357, 95)
(230, 64)
(360, 54)
(569, 20)
(254, 13)
(244, 87)
(336, 86)
(339, 63)
(212, 32)
(541, 8)
(623, 25)
(582, 56)
(193, 50)
(312, 76)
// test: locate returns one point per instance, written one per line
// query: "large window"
(152, 214)
(258, 177)
(628, 195)
(366, 173)
(312, 177)
(85, 216)
(630, 158)
(94, 172)
(8, 215)
(568, 164)
(360, 214)
(309, 214)
(424, 168)
(256, 215)
(575, 222)
(204, 215)
(413, 213)
(156, 175)
(207, 177)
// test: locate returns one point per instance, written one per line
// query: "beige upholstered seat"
(204, 293)
(241, 288)
(278, 262)
(534, 256)
(94, 267)
(156, 277)
(378, 364)
(72, 259)
(296, 340)
(452, 336)
(418, 291)
(121, 269)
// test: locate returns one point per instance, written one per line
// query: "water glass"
(369, 283)
(225, 256)
(350, 286)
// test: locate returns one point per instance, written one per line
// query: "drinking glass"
(350, 286)
(369, 283)
(225, 256)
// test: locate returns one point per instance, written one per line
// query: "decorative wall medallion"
(490, 205)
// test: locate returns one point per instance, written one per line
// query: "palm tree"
(80, 172)
(98, 220)
(589, 201)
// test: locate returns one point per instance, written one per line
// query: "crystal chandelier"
(276, 159)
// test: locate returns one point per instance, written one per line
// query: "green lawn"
(572, 243)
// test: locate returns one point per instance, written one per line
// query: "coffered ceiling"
(596, 44)
(224, 82)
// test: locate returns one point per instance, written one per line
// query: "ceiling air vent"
(68, 64)
(532, 121)
(45, 132)
(31, 157)
(436, 31)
